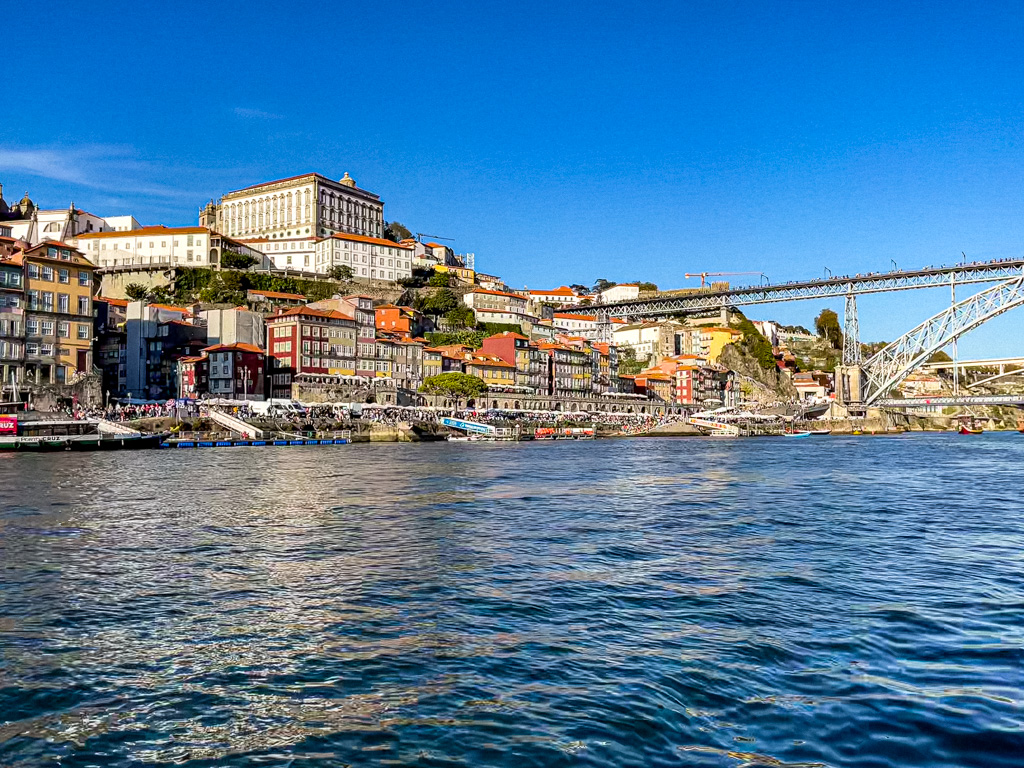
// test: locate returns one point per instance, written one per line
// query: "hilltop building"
(284, 218)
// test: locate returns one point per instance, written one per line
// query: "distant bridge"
(703, 302)
(946, 402)
(865, 383)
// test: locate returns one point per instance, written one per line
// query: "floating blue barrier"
(206, 444)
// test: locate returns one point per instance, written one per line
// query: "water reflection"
(617, 603)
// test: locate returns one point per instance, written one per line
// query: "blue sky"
(559, 142)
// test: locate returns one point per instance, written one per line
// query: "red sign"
(8, 425)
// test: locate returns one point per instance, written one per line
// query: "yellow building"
(462, 274)
(432, 362)
(714, 339)
(492, 369)
(59, 288)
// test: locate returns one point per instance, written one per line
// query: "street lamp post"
(829, 271)
(894, 267)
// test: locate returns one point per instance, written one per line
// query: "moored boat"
(796, 434)
(969, 426)
(42, 434)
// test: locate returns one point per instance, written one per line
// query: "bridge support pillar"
(850, 385)
(724, 315)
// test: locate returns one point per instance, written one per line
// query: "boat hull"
(81, 443)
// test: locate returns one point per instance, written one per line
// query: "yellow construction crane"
(704, 275)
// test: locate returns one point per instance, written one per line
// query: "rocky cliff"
(764, 383)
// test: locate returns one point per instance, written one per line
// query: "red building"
(232, 371)
(304, 340)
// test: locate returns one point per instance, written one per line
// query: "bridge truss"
(893, 363)
(945, 402)
(706, 302)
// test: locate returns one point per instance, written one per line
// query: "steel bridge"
(864, 383)
(698, 302)
(945, 402)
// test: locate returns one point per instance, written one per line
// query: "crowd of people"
(121, 412)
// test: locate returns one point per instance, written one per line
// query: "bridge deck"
(875, 282)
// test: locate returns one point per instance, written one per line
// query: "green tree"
(580, 288)
(439, 280)
(940, 357)
(828, 328)
(233, 260)
(603, 285)
(136, 291)
(455, 385)
(340, 272)
(628, 363)
(756, 344)
(440, 302)
(460, 317)
(159, 295)
(393, 230)
(646, 287)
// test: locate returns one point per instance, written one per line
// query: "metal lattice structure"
(851, 332)
(701, 302)
(945, 402)
(892, 364)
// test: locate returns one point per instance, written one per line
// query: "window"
(63, 303)
(189, 240)
(32, 327)
(33, 271)
(47, 273)
(64, 330)
(46, 327)
(83, 305)
(188, 254)
(47, 301)
(46, 349)
(83, 331)
(62, 276)
(31, 348)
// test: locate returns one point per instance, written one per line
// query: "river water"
(692, 602)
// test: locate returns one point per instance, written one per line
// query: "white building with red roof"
(558, 297)
(372, 258)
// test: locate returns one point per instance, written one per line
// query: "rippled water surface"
(773, 602)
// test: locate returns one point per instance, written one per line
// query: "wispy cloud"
(256, 114)
(114, 176)
(108, 167)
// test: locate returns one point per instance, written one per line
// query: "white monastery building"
(284, 218)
